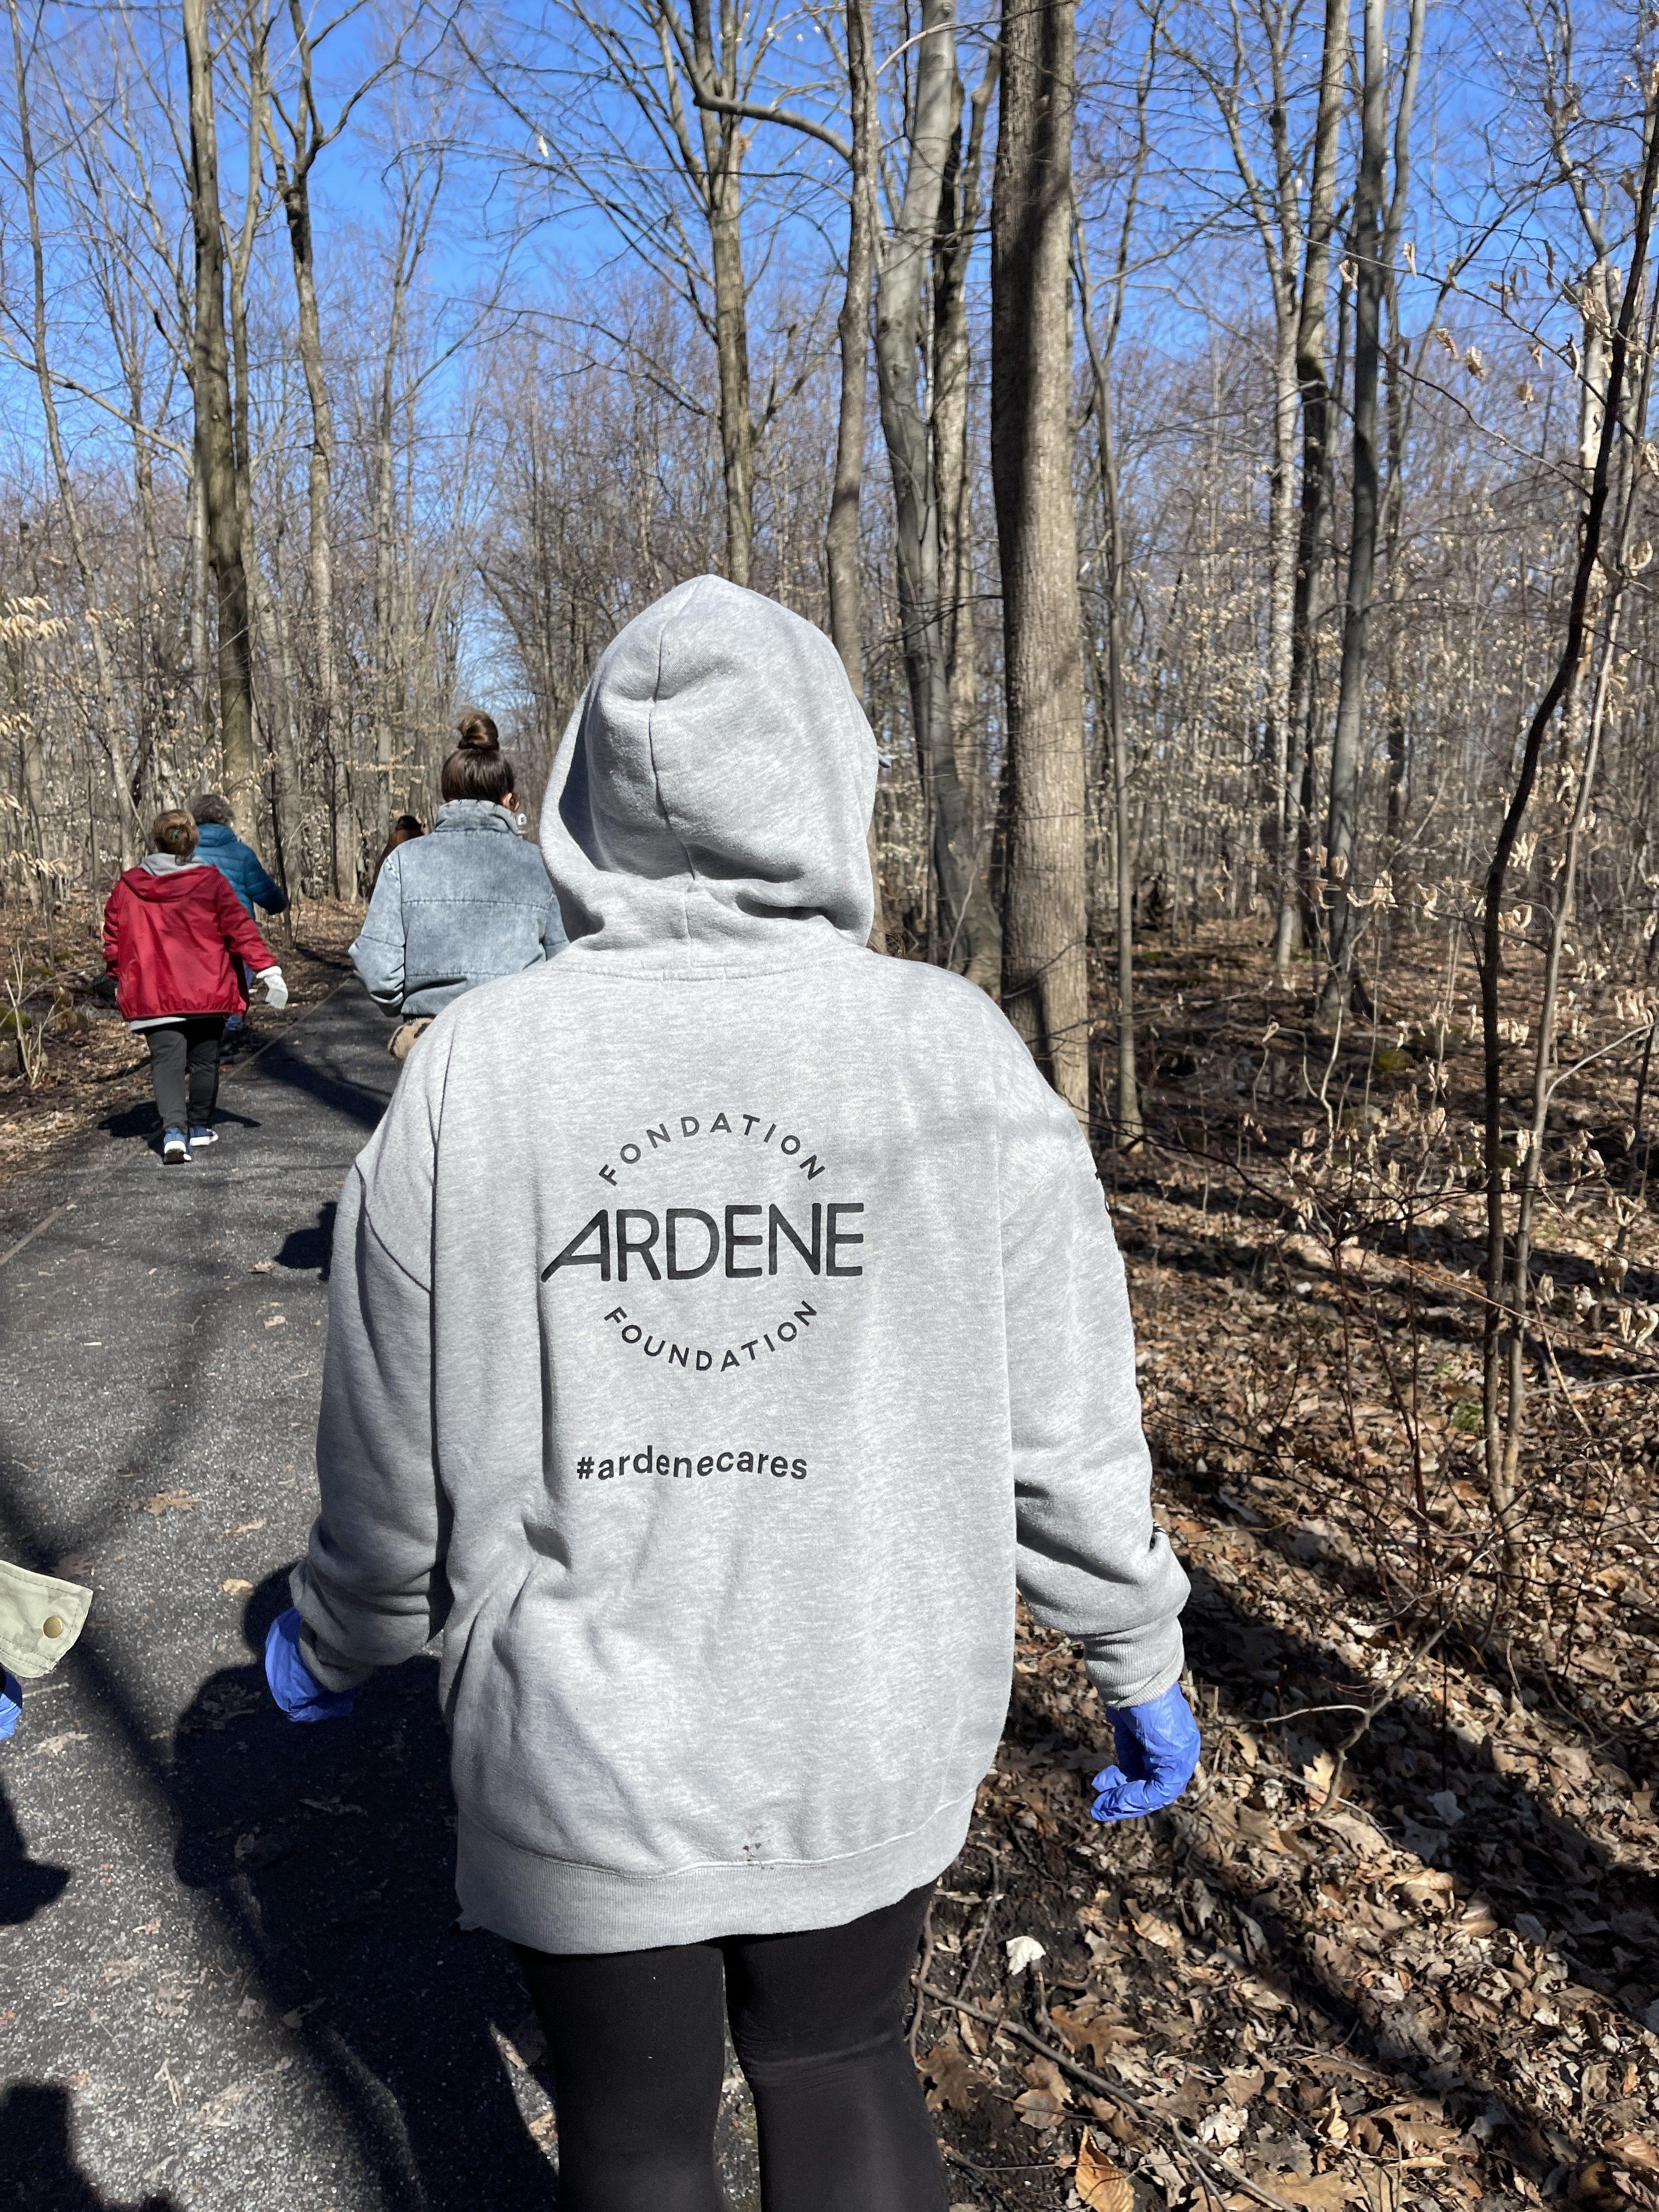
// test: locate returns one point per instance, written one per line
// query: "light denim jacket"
(469, 903)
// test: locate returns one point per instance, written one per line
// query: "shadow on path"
(309, 1250)
(331, 1848)
(313, 1076)
(26, 1886)
(37, 2162)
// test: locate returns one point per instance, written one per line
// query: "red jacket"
(169, 939)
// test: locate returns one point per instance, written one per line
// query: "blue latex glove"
(11, 1704)
(293, 1685)
(1158, 1748)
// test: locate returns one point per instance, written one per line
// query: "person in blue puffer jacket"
(221, 848)
(218, 844)
(469, 902)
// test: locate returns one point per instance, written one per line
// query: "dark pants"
(187, 1047)
(817, 2021)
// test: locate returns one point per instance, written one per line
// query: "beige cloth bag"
(39, 1620)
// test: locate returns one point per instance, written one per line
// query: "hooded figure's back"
(724, 1316)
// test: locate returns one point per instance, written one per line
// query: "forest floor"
(1399, 1946)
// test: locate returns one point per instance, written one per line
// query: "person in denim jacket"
(469, 902)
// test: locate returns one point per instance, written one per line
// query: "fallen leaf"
(53, 1747)
(1321, 2192)
(957, 2082)
(1046, 2077)
(1102, 2186)
(1096, 2032)
(1023, 1951)
(1037, 2109)
(235, 1588)
(1223, 2127)
(167, 1501)
(1319, 1776)
(1153, 1928)
(244, 1527)
(1424, 1885)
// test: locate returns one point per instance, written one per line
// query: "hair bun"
(478, 734)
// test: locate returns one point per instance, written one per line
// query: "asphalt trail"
(229, 1975)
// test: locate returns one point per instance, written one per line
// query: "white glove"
(276, 989)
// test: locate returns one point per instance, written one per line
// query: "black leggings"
(184, 1052)
(817, 2020)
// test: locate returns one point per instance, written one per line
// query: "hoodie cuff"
(1137, 1666)
(328, 1670)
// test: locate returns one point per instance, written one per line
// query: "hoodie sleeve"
(371, 1588)
(1092, 1562)
(378, 954)
(112, 929)
(237, 925)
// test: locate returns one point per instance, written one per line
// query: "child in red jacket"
(170, 928)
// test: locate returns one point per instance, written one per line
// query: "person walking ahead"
(173, 929)
(218, 844)
(468, 903)
(725, 1321)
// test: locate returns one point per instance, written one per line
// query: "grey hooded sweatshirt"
(724, 1320)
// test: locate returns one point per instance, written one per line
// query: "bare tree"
(294, 151)
(1372, 246)
(842, 557)
(1045, 979)
(969, 935)
(215, 452)
(109, 721)
(1314, 388)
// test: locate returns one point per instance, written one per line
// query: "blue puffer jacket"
(469, 903)
(221, 848)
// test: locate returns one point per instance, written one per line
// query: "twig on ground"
(1195, 2154)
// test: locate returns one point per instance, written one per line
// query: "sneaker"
(201, 1134)
(176, 1148)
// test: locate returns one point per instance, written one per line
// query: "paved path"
(229, 1975)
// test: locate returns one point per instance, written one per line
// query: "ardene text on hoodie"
(725, 1319)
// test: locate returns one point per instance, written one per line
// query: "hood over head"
(713, 791)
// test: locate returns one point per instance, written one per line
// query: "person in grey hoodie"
(469, 902)
(725, 1321)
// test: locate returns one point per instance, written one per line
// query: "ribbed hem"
(558, 1906)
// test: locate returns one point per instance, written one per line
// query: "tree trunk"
(1315, 389)
(852, 331)
(1376, 239)
(1046, 982)
(841, 537)
(215, 460)
(723, 145)
(196, 613)
(1131, 1129)
(972, 938)
(1281, 601)
(953, 467)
